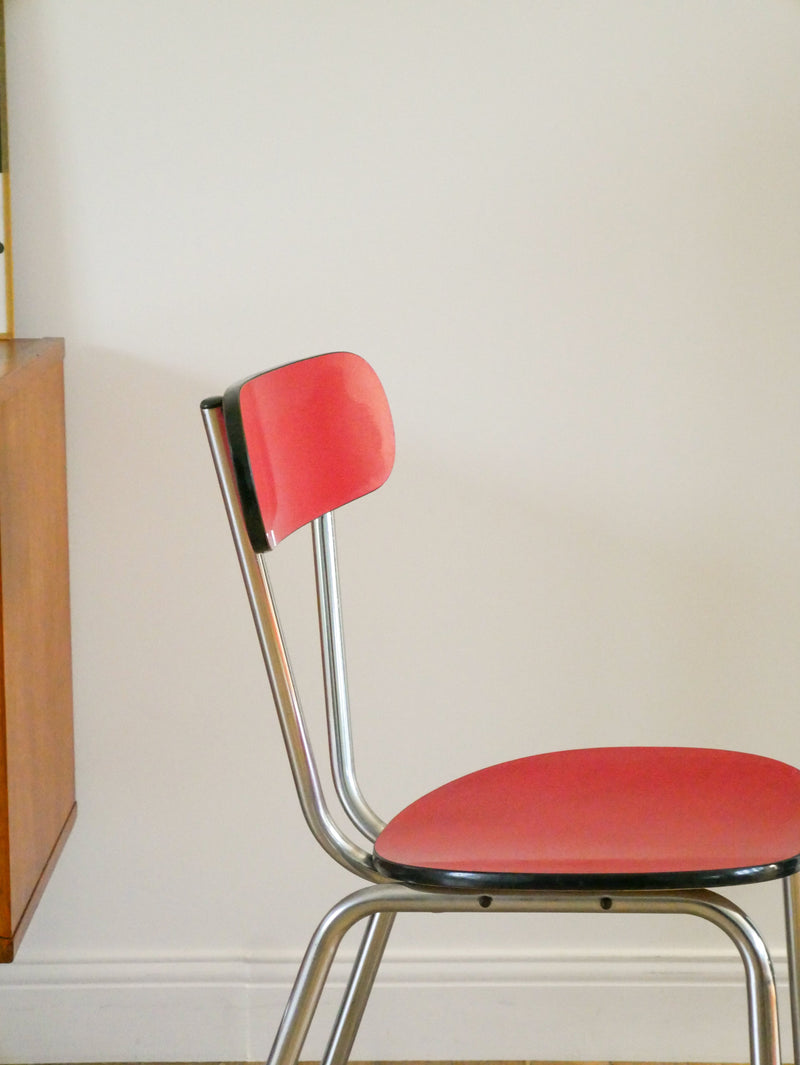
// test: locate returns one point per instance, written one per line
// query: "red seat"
(610, 817)
(635, 829)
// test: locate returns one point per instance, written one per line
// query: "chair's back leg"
(313, 973)
(791, 896)
(359, 986)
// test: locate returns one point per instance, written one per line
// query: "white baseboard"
(681, 1007)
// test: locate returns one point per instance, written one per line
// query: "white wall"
(567, 235)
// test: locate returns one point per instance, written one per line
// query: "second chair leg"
(791, 897)
(359, 986)
(314, 969)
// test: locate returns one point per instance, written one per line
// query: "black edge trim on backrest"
(237, 443)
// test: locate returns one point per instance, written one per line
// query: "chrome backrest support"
(287, 702)
(335, 674)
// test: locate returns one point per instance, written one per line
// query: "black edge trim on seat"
(454, 880)
(237, 442)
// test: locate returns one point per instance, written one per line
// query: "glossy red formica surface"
(642, 813)
(318, 433)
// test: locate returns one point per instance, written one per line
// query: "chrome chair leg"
(762, 999)
(313, 973)
(386, 899)
(791, 898)
(359, 986)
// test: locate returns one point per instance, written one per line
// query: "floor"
(420, 1063)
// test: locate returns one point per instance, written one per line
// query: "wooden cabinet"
(37, 776)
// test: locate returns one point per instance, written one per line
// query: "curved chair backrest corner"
(306, 438)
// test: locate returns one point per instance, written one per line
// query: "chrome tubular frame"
(335, 674)
(379, 903)
(389, 899)
(791, 897)
(287, 702)
(359, 986)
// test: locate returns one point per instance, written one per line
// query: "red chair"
(622, 829)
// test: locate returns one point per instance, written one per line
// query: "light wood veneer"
(37, 777)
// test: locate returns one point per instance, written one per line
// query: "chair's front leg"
(791, 898)
(359, 986)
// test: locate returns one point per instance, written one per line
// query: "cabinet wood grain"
(37, 776)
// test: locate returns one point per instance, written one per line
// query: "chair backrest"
(305, 439)
(290, 446)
